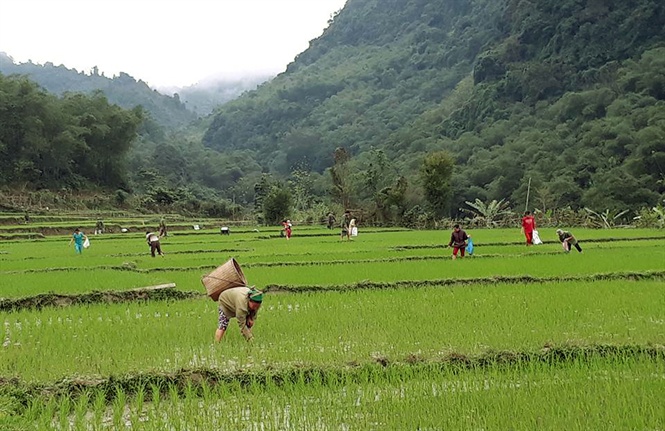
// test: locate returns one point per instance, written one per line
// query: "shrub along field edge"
(448, 282)
(96, 297)
(115, 296)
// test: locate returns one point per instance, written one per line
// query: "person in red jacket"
(528, 226)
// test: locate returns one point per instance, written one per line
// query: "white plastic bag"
(354, 231)
(536, 238)
(86, 243)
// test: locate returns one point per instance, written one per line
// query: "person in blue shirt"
(77, 238)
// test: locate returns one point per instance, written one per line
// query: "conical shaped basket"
(224, 277)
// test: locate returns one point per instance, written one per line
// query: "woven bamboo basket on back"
(224, 277)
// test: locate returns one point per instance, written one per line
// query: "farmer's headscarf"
(255, 295)
(559, 231)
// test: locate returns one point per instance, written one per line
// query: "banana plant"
(660, 214)
(606, 219)
(488, 214)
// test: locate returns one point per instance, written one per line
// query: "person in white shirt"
(153, 241)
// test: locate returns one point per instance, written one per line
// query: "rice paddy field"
(384, 332)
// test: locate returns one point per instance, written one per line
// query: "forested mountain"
(73, 135)
(568, 93)
(74, 141)
(125, 91)
(566, 96)
(57, 147)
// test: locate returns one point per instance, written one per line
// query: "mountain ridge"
(532, 103)
(470, 77)
(172, 107)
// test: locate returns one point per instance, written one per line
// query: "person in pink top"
(528, 226)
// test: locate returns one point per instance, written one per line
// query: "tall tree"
(300, 186)
(435, 174)
(340, 177)
(276, 204)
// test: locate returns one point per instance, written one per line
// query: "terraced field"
(383, 332)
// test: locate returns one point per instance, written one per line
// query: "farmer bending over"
(242, 303)
(568, 240)
(153, 241)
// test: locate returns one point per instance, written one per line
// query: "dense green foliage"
(73, 141)
(435, 175)
(512, 89)
(516, 92)
(123, 90)
(78, 142)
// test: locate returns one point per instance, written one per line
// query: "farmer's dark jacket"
(458, 239)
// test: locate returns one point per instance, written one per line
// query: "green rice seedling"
(115, 251)
(64, 410)
(174, 394)
(418, 326)
(532, 265)
(81, 281)
(138, 405)
(119, 406)
(46, 420)
(156, 400)
(116, 264)
(81, 408)
(98, 406)
(593, 394)
(330, 328)
(207, 392)
(551, 266)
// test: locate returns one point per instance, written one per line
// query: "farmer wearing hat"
(568, 240)
(243, 303)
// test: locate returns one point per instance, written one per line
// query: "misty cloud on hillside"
(204, 96)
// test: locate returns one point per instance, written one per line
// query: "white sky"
(164, 42)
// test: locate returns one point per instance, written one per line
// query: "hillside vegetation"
(569, 94)
(72, 141)
(122, 90)
(405, 110)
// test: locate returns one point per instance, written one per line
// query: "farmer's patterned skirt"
(223, 322)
